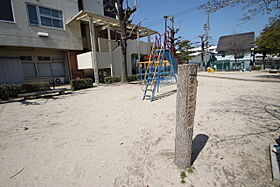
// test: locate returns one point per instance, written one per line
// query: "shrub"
(9, 90)
(132, 77)
(109, 80)
(78, 84)
(256, 68)
(35, 86)
(12, 90)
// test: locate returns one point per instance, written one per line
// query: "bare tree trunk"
(123, 16)
(124, 52)
(263, 61)
(185, 112)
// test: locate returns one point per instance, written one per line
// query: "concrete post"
(138, 46)
(93, 51)
(110, 50)
(185, 112)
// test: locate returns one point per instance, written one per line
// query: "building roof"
(105, 21)
(242, 42)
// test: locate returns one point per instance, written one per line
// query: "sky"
(190, 20)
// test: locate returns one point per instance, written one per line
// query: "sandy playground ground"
(107, 136)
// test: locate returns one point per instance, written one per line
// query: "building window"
(44, 69)
(6, 12)
(25, 58)
(58, 69)
(44, 58)
(46, 17)
(29, 69)
(80, 5)
(32, 12)
(109, 5)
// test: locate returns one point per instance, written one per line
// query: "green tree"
(269, 40)
(124, 15)
(184, 51)
(251, 8)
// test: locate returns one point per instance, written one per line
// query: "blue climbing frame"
(160, 69)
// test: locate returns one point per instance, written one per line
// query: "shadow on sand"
(164, 95)
(198, 144)
(34, 101)
(274, 76)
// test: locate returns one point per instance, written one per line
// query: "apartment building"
(34, 39)
(102, 55)
(47, 40)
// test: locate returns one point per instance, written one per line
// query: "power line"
(177, 14)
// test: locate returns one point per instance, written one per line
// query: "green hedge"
(109, 80)
(35, 86)
(256, 68)
(12, 90)
(78, 84)
(132, 78)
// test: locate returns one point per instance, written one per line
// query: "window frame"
(6, 21)
(47, 16)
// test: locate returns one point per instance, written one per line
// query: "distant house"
(235, 51)
(212, 50)
(197, 50)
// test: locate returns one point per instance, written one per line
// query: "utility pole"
(207, 29)
(173, 31)
(165, 30)
(202, 52)
(205, 41)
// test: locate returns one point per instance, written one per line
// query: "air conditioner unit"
(59, 80)
(43, 34)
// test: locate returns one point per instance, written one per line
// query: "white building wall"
(246, 59)
(95, 6)
(117, 61)
(132, 49)
(85, 62)
(247, 56)
(21, 33)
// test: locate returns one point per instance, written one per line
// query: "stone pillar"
(185, 112)
(110, 50)
(93, 51)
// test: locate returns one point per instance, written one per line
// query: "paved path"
(244, 76)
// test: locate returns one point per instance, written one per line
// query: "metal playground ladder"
(161, 68)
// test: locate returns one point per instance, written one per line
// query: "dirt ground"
(107, 136)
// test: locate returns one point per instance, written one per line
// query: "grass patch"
(183, 177)
(183, 174)
(191, 170)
